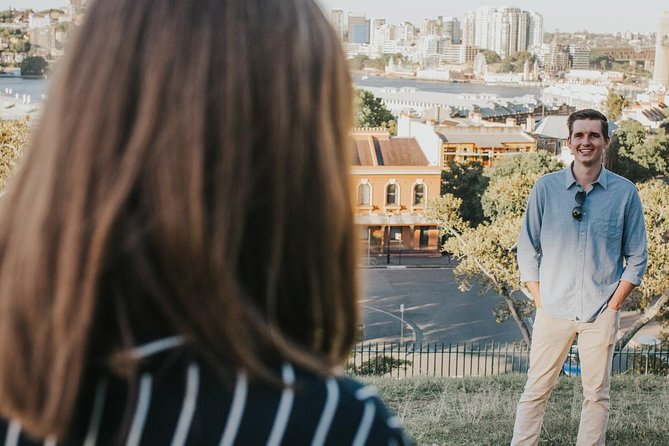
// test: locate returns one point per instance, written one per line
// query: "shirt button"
(582, 232)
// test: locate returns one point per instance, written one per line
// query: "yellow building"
(391, 182)
(483, 144)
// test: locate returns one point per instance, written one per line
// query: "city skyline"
(565, 15)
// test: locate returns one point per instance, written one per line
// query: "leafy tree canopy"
(614, 104)
(360, 62)
(14, 136)
(486, 251)
(514, 63)
(485, 257)
(491, 56)
(370, 111)
(637, 154)
(466, 182)
(665, 123)
(34, 66)
(511, 180)
(651, 298)
(356, 63)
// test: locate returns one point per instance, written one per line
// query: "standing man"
(581, 252)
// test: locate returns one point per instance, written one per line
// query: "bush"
(376, 366)
(14, 136)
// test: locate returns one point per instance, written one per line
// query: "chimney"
(529, 124)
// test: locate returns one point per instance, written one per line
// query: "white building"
(575, 95)
(482, 20)
(505, 30)
(468, 28)
(338, 22)
(535, 29)
(37, 22)
(661, 72)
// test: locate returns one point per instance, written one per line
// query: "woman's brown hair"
(188, 176)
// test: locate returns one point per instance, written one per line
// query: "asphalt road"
(435, 310)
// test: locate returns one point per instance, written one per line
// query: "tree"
(20, 46)
(515, 63)
(14, 137)
(486, 252)
(377, 64)
(466, 182)
(652, 296)
(664, 125)
(491, 56)
(34, 66)
(370, 111)
(614, 104)
(637, 154)
(600, 62)
(486, 257)
(357, 63)
(511, 179)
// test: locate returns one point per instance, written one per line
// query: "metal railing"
(458, 360)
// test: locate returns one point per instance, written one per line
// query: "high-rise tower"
(338, 23)
(661, 73)
(358, 28)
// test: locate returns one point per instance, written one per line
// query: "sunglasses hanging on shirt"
(577, 212)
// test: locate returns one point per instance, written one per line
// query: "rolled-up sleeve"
(635, 245)
(529, 240)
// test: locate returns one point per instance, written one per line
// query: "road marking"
(417, 333)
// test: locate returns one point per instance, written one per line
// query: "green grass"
(480, 411)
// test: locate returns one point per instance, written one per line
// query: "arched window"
(364, 195)
(391, 195)
(419, 195)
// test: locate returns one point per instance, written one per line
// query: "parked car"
(572, 365)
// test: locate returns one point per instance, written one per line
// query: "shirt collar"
(602, 179)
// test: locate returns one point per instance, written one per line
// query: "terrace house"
(391, 183)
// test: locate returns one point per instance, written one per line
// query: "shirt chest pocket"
(607, 229)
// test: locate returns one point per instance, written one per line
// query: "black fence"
(458, 360)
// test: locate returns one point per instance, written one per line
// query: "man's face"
(587, 143)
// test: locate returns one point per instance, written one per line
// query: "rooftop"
(374, 151)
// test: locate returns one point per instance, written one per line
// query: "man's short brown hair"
(592, 115)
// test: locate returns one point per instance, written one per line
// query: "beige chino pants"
(551, 340)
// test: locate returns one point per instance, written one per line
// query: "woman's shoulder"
(182, 402)
(307, 409)
(354, 411)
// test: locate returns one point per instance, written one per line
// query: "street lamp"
(388, 239)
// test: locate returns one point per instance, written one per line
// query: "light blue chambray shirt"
(579, 263)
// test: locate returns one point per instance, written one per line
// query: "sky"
(599, 16)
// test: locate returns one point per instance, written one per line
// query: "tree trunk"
(518, 320)
(647, 316)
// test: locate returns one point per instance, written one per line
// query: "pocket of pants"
(615, 315)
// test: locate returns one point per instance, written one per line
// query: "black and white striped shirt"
(181, 402)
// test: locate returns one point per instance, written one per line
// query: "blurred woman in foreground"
(177, 261)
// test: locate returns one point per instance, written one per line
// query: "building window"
(419, 195)
(391, 195)
(364, 195)
(396, 233)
